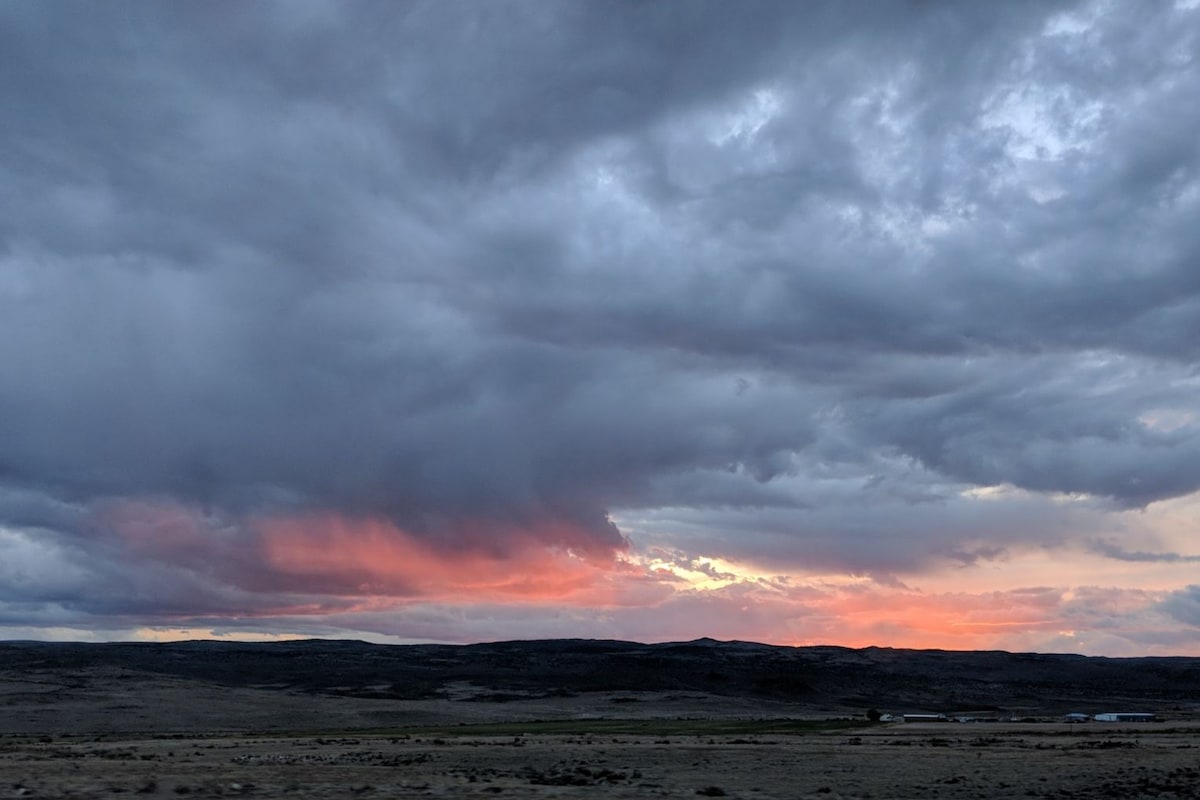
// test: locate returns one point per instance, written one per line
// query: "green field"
(641, 727)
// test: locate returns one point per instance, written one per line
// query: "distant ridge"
(827, 677)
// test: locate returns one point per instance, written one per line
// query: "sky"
(856, 323)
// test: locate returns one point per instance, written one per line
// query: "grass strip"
(640, 727)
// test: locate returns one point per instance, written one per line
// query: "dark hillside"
(887, 678)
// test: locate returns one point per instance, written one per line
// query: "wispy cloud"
(1112, 550)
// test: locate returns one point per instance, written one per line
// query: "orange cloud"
(481, 581)
(371, 557)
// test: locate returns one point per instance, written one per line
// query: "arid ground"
(942, 760)
(200, 721)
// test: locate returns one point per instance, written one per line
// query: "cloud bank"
(311, 310)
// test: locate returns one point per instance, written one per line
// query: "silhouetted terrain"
(817, 678)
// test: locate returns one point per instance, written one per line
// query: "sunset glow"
(367, 578)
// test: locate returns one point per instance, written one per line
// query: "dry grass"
(601, 759)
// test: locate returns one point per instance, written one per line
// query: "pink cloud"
(329, 572)
(370, 557)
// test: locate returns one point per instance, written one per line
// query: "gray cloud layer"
(803, 272)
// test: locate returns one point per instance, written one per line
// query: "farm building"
(1125, 716)
(924, 718)
(1075, 717)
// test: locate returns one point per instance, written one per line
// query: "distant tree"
(873, 714)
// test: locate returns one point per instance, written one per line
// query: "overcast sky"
(838, 322)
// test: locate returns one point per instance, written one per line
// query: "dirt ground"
(903, 761)
(110, 732)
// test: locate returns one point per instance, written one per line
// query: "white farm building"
(1125, 716)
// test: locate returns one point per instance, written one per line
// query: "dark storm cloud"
(753, 263)
(1184, 605)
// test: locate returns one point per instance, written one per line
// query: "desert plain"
(584, 719)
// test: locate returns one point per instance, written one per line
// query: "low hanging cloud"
(522, 290)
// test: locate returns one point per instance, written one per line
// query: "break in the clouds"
(601, 317)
